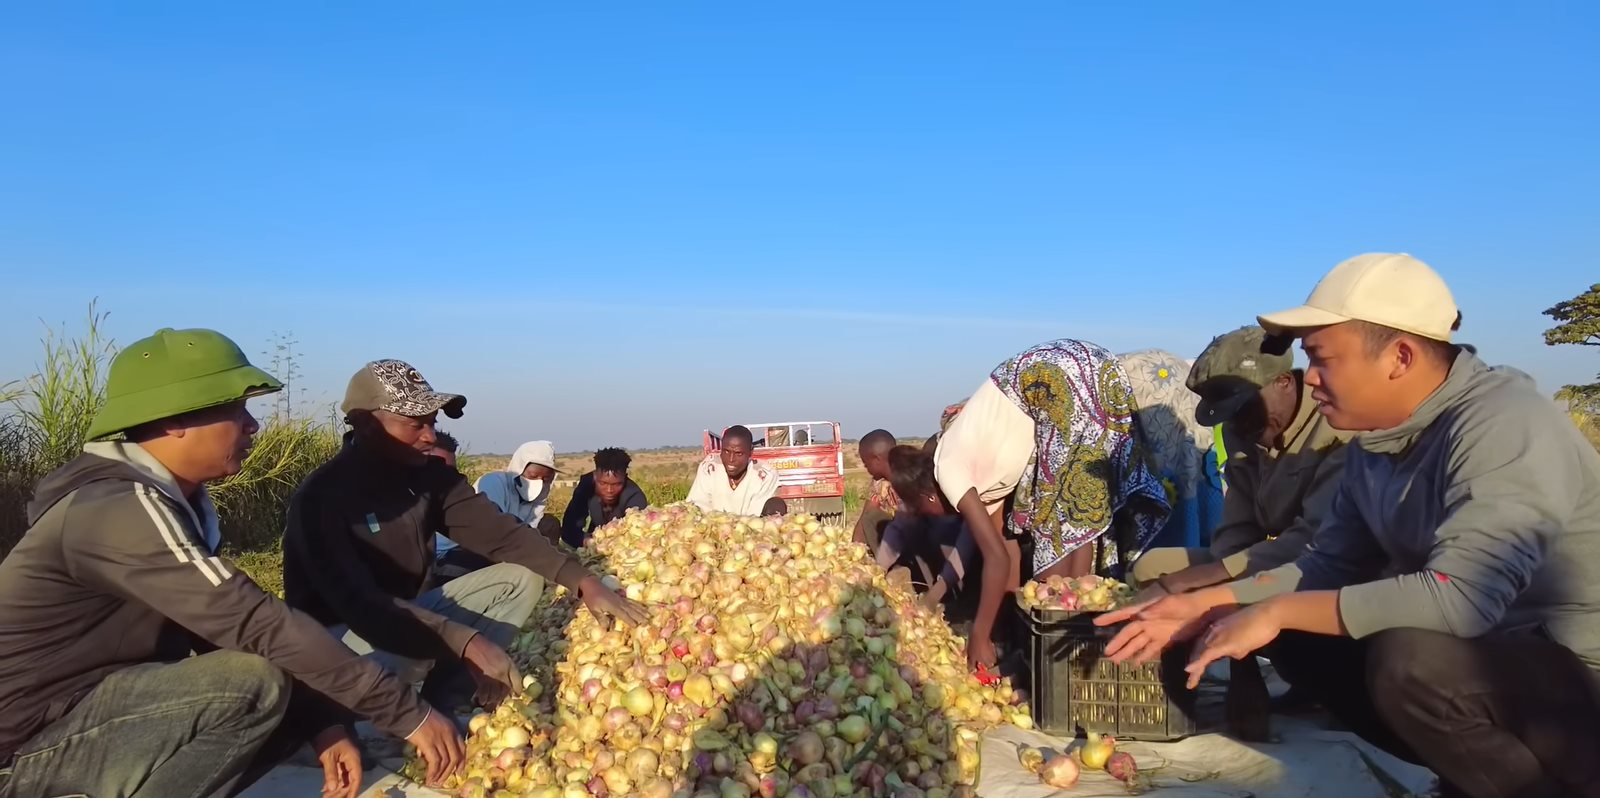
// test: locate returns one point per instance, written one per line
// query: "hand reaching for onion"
(607, 603)
(340, 760)
(980, 651)
(493, 672)
(438, 743)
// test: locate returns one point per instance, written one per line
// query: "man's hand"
(980, 651)
(341, 762)
(494, 673)
(439, 745)
(604, 602)
(1237, 636)
(1152, 627)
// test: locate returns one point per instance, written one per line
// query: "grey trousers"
(496, 601)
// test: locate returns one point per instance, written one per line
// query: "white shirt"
(711, 492)
(986, 448)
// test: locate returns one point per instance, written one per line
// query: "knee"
(264, 687)
(516, 578)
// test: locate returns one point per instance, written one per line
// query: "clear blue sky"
(624, 223)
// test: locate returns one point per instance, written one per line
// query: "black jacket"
(585, 514)
(359, 547)
(116, 570)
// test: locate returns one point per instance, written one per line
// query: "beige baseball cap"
(1392, 290)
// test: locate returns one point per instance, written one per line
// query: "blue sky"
(623, 224)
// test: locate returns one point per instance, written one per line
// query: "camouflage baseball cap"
(395, 386)
(1233, 369)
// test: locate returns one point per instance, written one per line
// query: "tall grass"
(47, 416)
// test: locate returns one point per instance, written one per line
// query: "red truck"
(809, 459)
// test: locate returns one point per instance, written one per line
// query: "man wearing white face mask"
(522, 490)
(524, 487)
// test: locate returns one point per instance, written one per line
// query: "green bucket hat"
(174, 372)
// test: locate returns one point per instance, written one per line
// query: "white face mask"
(530, 489)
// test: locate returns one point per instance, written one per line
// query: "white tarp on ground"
(1307, 761)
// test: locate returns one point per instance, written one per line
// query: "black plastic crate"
(1076, 690)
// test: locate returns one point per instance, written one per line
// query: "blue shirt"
(505, 490)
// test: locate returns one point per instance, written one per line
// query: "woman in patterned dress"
(1051, 434)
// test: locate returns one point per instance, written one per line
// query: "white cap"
(535, 453)
(1396, 291)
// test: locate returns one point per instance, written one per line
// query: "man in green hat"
(359, 549)
(117, 584)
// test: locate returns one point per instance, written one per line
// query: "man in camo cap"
(1282, 470)
(359, 549)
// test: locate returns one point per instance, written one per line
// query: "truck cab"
(809, 459)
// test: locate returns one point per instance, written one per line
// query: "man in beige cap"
(1448, 609)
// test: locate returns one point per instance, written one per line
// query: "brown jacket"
(118, 569)
(1278, 493)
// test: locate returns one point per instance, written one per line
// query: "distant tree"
(1578, 322)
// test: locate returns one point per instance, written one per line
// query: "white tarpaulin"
(1307, 761)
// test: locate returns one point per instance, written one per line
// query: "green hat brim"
(122, 413)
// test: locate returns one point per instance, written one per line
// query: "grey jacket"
(1479, 514)
(119, 569)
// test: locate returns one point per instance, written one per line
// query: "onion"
(1096, 751)
(642, 764)
(639, 701)
(854, 729)
(1122, 767)
(1059, 771)
(615, 717)
(806, 748)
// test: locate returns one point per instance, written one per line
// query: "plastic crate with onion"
(1075, 689)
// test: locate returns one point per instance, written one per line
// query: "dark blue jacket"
(584, 514)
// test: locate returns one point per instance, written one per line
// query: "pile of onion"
(1084, 593)
(778, 661)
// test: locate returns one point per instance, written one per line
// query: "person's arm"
(766, 495)
(1342, 552)
(136, 544)
(996, 573)
(1238, 529)
(964, 552)
(318, 538)
(473, 521)
(1289, 543)
(1515, 479)
(893, 542)
(700, 490)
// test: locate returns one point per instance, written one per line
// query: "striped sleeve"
(174, 534)
(133, 541)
